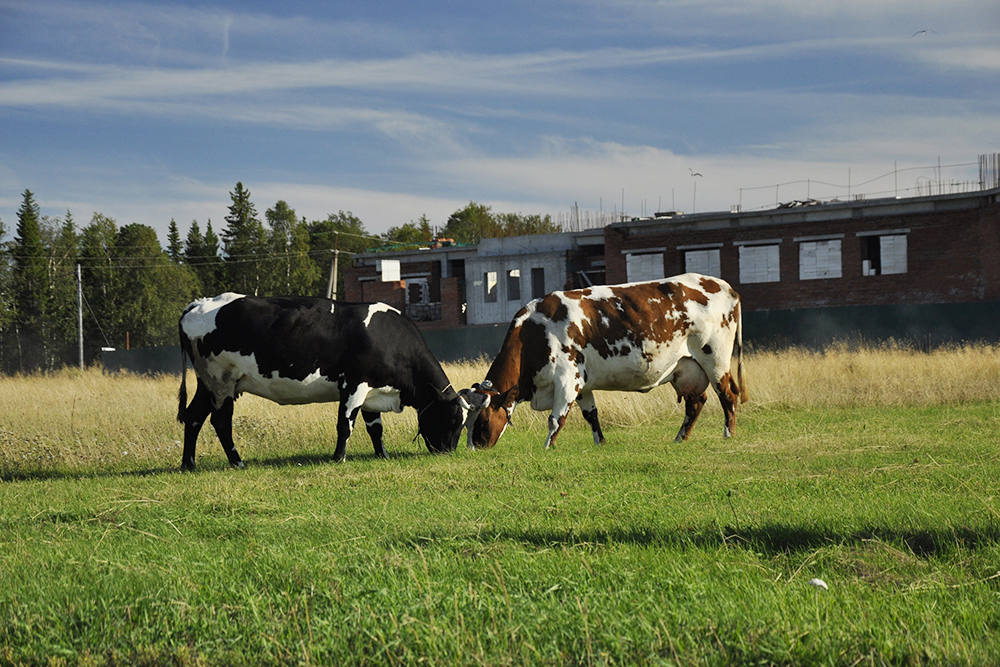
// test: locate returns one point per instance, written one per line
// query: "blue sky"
(147, 112)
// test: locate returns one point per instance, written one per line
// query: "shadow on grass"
(293, 460)
(768, 540)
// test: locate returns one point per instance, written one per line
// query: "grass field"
(875, 470)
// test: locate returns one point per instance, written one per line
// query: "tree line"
(134, 289)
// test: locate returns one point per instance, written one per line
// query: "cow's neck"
(433, 387)
(505, 371)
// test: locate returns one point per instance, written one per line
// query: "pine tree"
(6, 302)
(244, 244)
(29, 279)
(212, 275)
(64, 253)
(174, 247)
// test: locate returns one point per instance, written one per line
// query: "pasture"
(875, 470)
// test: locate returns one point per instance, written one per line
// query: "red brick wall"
(951, 257)
(392, 293)
(451, 303)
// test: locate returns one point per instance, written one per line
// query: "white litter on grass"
(819, 583)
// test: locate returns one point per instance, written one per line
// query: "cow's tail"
(741, 379)
(182, 394)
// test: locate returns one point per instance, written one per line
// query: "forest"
(134, 288)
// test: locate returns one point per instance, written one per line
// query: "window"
(538, 283)
(705, 262)
(514, 285)
(759, 264)
(490, 287)
(883, 254)
(417, 291)
(819, 259)
(644, 266)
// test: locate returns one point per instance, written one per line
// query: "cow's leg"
(222, 421)
(561, 403)
(350, 404)
(589, 408)
(194, 417)
(345, 426)
(728, 399)
(373, 423)
(693, 403)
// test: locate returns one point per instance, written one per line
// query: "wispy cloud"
(394, 114)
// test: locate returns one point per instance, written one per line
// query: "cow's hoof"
(238, 464)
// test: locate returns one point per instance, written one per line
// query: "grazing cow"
(296, 350)
(559, 349)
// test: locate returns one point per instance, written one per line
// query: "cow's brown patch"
(710, 286)
(601, 326)
(553, 308)
(691, 294)
(534, 355)
(630, 316)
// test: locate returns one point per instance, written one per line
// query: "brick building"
(926, 250)
(924, 268)
(454, 286)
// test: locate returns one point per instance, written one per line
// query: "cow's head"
(441, 423)
(489, 413)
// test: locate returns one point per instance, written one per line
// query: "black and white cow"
(685, 331)
(295, 350)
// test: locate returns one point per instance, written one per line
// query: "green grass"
(640, 551)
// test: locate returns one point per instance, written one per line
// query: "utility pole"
(79, 310)
(331, 284)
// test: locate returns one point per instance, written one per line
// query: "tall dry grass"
(76, 418)
(840, 376)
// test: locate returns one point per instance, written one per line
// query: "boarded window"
(490, 287)
(883, 255)
(538, 283)
(759, 264)
(514, 285)
(705, 262)
(417, 291)
(644, 266)
(819, 259)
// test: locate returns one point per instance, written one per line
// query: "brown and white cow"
(685, 330)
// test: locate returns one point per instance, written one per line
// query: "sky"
(147, 112)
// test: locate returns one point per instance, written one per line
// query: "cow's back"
(298, 349)
(631, 337)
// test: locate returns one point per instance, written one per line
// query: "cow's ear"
(507, 399)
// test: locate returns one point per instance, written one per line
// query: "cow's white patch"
(378, 308)
(600, 293)
(314, 388)
(374, 399)
(356, 399)
(383, 399)
(199, 318)
(333, 307)
(229, 374)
